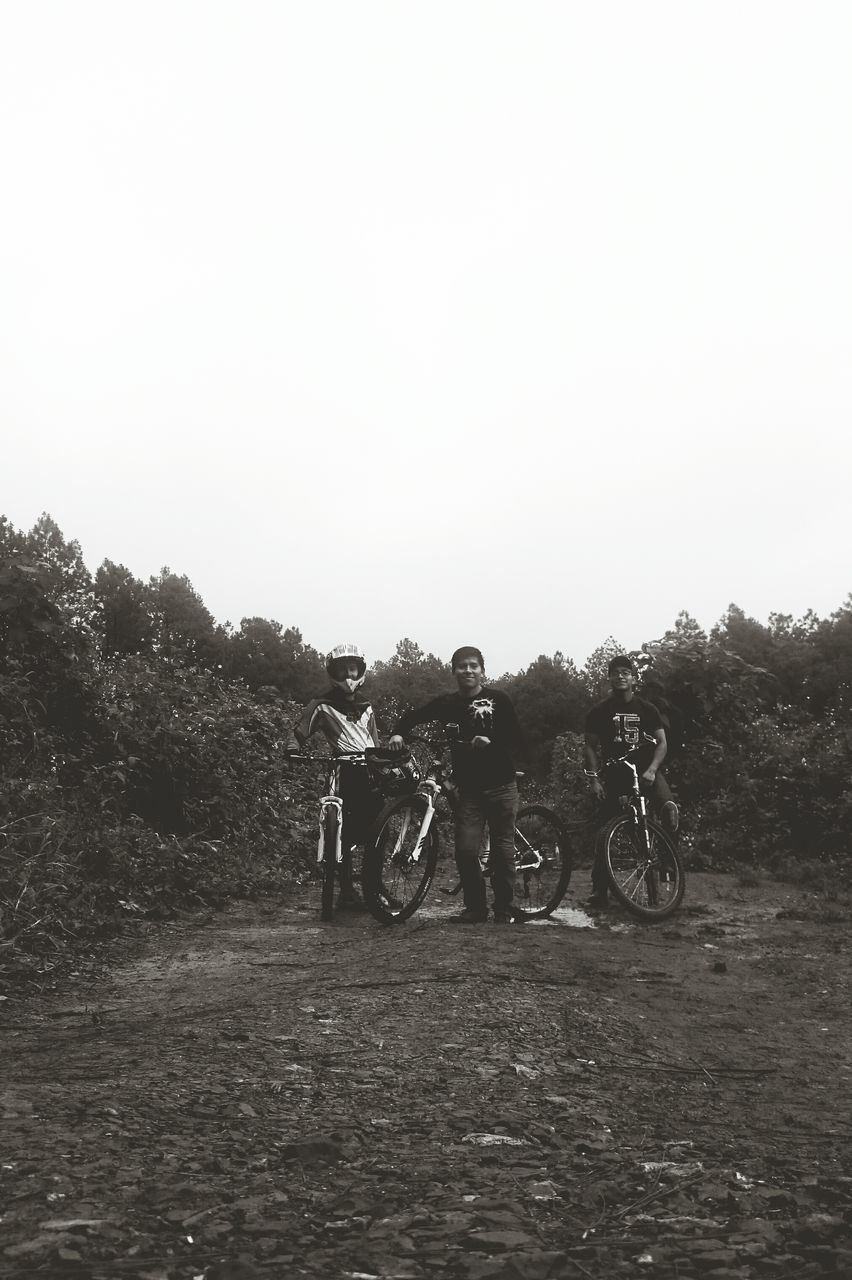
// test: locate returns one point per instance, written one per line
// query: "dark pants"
(361, 804)
(497, 806)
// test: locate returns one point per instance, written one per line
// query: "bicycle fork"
(649, 874)
(326, 803)
(424, 830)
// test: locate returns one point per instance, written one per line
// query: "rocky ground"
(256, 1094)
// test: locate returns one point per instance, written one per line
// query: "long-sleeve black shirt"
(489, 714)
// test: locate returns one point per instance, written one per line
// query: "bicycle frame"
(439, 782)
(524, 865)
(403, 858)
(637, 803)
(635, 799)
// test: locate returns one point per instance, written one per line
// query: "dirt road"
(258, 1094)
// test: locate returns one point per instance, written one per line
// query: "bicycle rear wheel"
(542, 862)
(649, 882)
(398, 863)
(329, 861)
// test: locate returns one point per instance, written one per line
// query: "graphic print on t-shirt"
(626, 724)
(482, 710)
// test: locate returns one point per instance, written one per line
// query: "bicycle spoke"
(401, 861)
(650, 883)
(542, 867)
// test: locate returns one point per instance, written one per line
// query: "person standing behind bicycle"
(613, 727)
(483, 755)
(346, 719)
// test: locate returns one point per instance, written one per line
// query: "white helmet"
(346, 653)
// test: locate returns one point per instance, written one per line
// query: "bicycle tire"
(329, 861)
(650, 888)
(538, 890)
(394, 884)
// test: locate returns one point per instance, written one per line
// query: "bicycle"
(388, 772)
(402, 856)
(644, 868)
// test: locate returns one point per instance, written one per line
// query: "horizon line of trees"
(117, 615)
(140, 739)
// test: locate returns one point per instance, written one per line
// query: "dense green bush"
(177, 796)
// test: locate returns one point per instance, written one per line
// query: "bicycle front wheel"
(542, 862)
(399, 861)
(331, 822)
(649, 882)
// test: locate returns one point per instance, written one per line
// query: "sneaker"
(508, 915)
(469, 916)
(671, 816)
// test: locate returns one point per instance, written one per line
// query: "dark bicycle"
(643, 866)
(400, 860)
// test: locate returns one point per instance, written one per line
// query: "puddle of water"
(573, 917)
(570, 917)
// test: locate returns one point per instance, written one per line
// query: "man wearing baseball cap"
(621, 722)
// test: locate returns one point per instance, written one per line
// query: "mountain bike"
(388, 773)
(401, 858)
(643, 866)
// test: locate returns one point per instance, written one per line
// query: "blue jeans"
(497, 806)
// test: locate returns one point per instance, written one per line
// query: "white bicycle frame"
(530, 849)
(429, 789)
(640, 807)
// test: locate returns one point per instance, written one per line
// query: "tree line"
(140, 741)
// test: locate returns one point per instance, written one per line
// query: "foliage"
(266, 655)
(550, 697)
(133, 779)
(141, 742)
(408, 679)
(126, 623)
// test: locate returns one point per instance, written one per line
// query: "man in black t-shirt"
(613, 727)
(489, 737)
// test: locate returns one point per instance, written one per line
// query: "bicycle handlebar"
(380, 754)
(451, 738)
(623, 759)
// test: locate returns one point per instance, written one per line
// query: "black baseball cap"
(621, 660)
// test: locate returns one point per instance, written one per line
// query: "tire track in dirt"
(267, 1096)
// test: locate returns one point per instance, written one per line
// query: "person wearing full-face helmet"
(346, 668)
(345, 718)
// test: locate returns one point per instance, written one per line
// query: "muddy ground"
(255, 1094)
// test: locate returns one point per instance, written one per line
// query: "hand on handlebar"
(396, 743)
(597, 789)
(479, 742)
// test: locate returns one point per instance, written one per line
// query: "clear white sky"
(515, 324)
